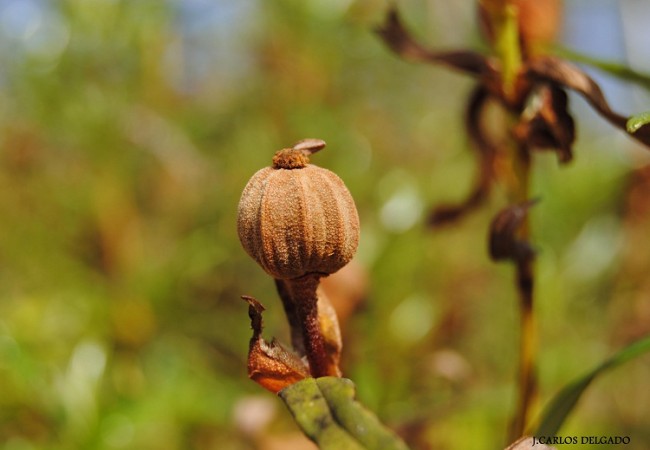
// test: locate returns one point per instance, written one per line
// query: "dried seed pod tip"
(289, 158)
(297, 156)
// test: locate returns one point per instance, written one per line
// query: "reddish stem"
(303, 293)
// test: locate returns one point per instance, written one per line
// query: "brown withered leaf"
(503, 241)
(270, 364)
(398, 39)
(563, 73)
(546, 122)
(485, 151)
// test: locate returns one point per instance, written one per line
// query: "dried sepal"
(485, 153)
(546, 122)
(309, 146)
(271, 365)
(504, 243)
(330, 330)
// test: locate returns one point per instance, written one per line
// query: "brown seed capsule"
(299, 222)
(296, 218)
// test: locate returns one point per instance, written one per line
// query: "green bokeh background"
(125, 142)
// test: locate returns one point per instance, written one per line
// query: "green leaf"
(637, 121)
(613, 68)
(565, 401)
(326, 411)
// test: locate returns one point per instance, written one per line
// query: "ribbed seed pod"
(296, 218)
(299, 222)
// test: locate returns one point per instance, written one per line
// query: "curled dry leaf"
(563, 73)
(309, 146)
(546, 122)
(503, 241)
(538, 95)
(400, 41)
(270, 364)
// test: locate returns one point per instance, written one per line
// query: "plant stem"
(527, 383)
(527, 350)
(305, 298)
(507, 44)
(503, 16)
(508, 47)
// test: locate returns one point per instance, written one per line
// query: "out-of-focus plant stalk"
(531, 87)
(503, 15)
(507, 44)
(527, 394)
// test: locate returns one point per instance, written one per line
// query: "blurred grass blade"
(327, 413)
(613, 68)
(637, 121)
(564, 402)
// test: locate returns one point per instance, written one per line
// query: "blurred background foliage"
(128, 130)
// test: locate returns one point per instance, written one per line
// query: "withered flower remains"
(537, 95)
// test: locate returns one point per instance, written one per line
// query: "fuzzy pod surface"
(296, 218)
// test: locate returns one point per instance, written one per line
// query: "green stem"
(527, 382)
(507, 45)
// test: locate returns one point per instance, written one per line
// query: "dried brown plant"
(300, 223)
(530, 86)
